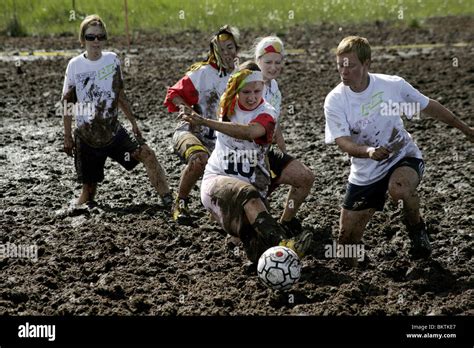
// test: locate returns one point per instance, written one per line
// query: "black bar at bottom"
(292, 331)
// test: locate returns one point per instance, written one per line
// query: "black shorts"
(90, 161)
(374, 195)
(278, 162)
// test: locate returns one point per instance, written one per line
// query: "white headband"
(254, 76)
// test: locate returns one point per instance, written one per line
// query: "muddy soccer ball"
(279, 268)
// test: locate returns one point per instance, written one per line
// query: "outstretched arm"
(439, 112)
(249, 132)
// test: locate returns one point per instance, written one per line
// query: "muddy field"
(126, 257)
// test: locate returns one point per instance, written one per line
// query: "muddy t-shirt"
(202, 88)
(244, 159)
(94, 87)
(373, 118)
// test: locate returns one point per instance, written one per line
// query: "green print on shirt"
(375, 102)
(106, 71)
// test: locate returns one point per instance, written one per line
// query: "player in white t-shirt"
(363, 117)
(201, 89)
(94, 86)
(237, 176)
(285, 169)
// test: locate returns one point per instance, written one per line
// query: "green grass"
(43, 17)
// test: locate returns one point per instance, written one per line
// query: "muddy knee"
(400, 190)
(197, 162)
(308, 178)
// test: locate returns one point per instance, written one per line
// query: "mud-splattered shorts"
(225, 198)
(89, 161)
(374, 195)
(186, 144)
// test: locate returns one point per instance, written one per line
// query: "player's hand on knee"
(68, 145)
(378, 153)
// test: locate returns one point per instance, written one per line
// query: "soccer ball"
(279, 268)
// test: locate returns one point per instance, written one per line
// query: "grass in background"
(44, 17)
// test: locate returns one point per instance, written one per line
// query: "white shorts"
(225, 197)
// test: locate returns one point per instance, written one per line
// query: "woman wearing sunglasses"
(94, 86)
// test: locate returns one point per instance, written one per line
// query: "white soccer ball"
(279, 268)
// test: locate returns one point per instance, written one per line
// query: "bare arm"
(239, 131)
(127, 110)
(69, 97)
(362, 151)
(440, 113)
(68, 141)
(279, 139)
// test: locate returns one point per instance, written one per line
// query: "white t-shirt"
(272, 95)
(203, 88)
(245, 159)
(93, 87)
(373, 118)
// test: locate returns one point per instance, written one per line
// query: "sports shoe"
(180, 211)
(292, 227)
(300, 245)
(420, 243)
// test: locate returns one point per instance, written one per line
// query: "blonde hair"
(89, 21)
(359, 45)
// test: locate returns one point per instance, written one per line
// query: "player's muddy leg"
(253, 208)
(301, 179)
(155, 172)
(191, 173)
(88, 193)
(402, 186)
(265, 233)
(351, 228)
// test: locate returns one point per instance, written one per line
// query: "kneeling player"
(237, 176)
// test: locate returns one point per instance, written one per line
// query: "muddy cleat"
(300, 245)
(167, 200)
(420, 243)
(292, 228)
(180, 211)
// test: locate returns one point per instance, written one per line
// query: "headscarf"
(236, 82)
(267, 45)
(215, 56)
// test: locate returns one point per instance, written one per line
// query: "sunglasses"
(92, 37)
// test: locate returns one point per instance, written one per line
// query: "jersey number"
(234, 168)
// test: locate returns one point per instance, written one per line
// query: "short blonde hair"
(359, 45)
(89, 21)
